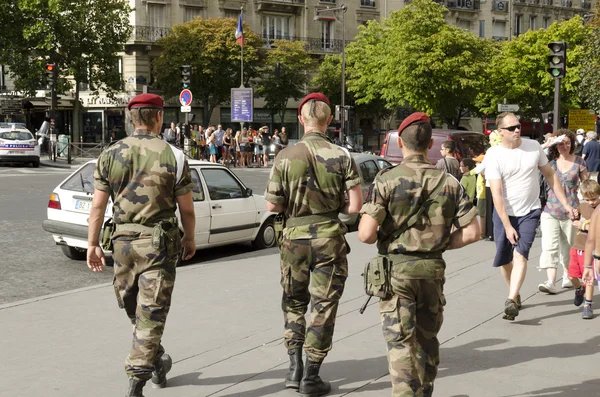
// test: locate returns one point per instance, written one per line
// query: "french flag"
(239, 32)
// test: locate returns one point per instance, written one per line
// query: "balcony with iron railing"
(367, 3)
(279, 5)
(148, 34)
(463, 5)
(313, 45)
(500, 6)
(586, 5)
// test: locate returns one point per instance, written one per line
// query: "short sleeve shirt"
(570, 180)
(143, 175)
(397, 191)
(310, 178)
(518, 169)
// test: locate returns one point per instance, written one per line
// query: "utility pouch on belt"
(376, 277)
(107, 232)
(278, 226)
(165, 235)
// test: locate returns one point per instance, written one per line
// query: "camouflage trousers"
(326, 259)
(411, 320)
(143, 282)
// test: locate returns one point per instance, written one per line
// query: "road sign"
(242, 105)
(185, 97)
(186, 109)
(502, 107)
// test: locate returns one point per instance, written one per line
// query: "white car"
(226, 211)
(18, 145)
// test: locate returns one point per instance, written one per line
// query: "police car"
(18, 145)
(226, 211)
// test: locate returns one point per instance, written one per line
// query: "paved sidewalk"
(225, 335)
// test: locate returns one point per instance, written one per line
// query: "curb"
(52, 164)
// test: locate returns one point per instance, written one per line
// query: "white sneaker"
(566, 283)
(547, 287)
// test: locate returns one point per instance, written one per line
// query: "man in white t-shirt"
(512, 170)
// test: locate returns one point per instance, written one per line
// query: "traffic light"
(557, 59)
(186, 77)
(50, 70)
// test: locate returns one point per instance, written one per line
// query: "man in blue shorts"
(512, 170)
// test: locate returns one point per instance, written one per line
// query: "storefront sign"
(9, 106)
(104, 101)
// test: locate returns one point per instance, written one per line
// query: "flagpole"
(242, 60)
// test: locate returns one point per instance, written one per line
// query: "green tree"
(328, 80)
(209, 46)
(518, 72)
(589, 89)
(415, 58)
(284, 75)
(81, 37)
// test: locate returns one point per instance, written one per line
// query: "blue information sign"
(242, 105)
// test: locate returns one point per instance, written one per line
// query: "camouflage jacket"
(398, 191)
(310, 178)
(141, 174)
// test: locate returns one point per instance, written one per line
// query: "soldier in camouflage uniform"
(307, 184)
(147, 179)
(410, 212)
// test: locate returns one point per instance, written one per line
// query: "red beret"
(315, 96)
(145, 101)
(416, 117)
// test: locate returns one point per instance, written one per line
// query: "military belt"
(311, 219)
(411, 256)
(134, 228)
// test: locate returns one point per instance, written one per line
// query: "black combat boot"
(293, 378)
(428, 391)
(135, 388)
(162, 366)
(312, 385)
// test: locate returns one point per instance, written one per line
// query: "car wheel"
(74, 253)
(36, 164)
(266, 235)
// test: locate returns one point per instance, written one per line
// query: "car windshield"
(16, 135)
(81, 181)
(471, 145)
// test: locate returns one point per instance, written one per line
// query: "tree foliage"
(415, 58)
(209, 46)
(81, 37)
(518, 71)
(284, 75)
(589, 89)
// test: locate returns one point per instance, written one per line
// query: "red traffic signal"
(50, 70)
(50, 67)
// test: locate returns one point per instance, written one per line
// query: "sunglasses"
(512, 128)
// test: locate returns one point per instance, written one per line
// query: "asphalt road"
(32, 265)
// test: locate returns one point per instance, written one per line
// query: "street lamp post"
(343, 110)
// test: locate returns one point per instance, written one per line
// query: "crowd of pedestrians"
(549, 189)
(248, 148)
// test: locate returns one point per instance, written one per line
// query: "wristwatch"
(596, 256)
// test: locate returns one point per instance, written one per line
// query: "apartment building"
(293, 20)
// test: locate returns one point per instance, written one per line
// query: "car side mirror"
(248, 192)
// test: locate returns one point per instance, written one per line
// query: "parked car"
(226, 211)
(368, 167)
(18, 145)
(469, 144)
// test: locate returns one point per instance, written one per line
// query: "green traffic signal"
(186, 76)
(557, 59)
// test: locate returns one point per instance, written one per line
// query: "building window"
(518, 24)
(499, 30)
(156, 15)
(276, 27)
(532, 22)
(464, 24)
(190, 13)
(546, 22)
(328, 34)
(481, 28)
(231, 14)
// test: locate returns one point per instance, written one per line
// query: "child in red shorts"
(590, 191)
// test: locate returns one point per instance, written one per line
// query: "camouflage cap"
(146, 101)
(417, 117)
(315, 96)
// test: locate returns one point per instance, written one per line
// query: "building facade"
(292, 20)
